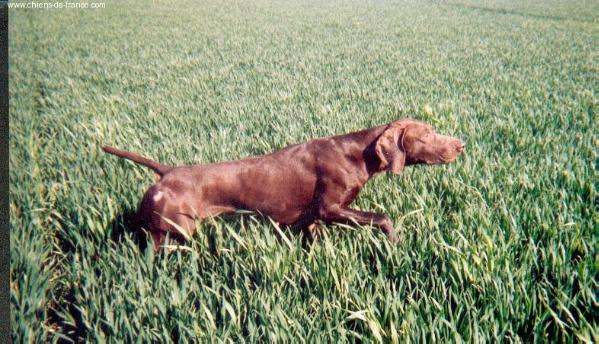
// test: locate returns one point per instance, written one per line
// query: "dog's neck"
(363, 144)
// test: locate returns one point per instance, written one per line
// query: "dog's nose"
(459, 145)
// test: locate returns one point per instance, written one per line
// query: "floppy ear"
(392, 157)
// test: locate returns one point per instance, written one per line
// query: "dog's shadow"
(126, 223)
(124, 228)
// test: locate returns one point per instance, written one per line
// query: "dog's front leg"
(344, 214)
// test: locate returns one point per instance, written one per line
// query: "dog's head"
(408, 142)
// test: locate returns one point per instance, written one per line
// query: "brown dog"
(299, 185)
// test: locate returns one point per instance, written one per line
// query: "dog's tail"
(159, 168)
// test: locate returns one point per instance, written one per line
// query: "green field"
(499, 246)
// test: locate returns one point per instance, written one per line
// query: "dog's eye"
(425, 137)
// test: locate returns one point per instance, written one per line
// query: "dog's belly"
(283, 213)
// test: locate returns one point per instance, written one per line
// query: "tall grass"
(500, 246)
